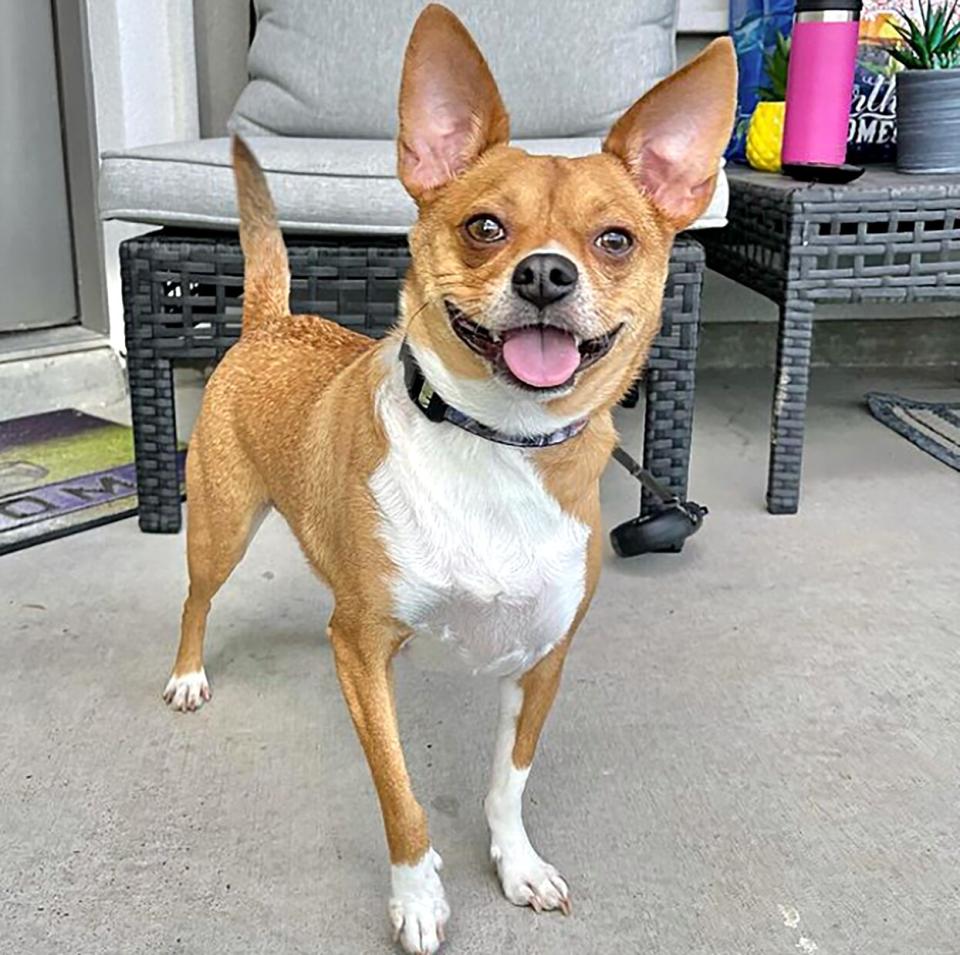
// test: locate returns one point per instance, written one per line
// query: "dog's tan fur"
(289, 418)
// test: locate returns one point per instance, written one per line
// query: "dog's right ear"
(672, 139)
(450, 108)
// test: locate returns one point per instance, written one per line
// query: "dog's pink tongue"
(541, 356)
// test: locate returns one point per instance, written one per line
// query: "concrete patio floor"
(756, 748)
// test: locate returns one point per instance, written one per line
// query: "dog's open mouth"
(540, 357)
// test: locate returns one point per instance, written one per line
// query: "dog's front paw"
(418, 906)
(528, 880)
(187, 691)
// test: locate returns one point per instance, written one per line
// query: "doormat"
(62, 472)
(933, 426)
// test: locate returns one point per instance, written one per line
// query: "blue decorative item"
(754, 25)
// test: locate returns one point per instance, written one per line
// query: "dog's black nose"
(544, 277)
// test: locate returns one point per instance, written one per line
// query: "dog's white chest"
(490, 568)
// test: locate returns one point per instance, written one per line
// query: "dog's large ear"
(672, 139)
(450, 108)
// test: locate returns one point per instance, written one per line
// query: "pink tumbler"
(823, 55)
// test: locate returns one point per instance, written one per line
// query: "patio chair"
(319, 111)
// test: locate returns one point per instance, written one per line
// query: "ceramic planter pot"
(928, 121)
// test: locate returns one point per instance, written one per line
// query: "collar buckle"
(429, 402)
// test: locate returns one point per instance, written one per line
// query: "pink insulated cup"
(823, 55)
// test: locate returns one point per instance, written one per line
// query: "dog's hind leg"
(222, 515)
(418, 907)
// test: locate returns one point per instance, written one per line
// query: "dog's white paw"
(187, 691)
(418, 906)
(528, 880)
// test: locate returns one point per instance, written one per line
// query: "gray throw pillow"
(331, 68)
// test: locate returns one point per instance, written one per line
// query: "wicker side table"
(181, 294)
(884, 238)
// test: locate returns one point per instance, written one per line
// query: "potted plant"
(765, 133)
(928, 90)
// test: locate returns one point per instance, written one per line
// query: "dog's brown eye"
(485, 228)
(615, 241)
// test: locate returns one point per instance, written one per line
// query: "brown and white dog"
(534, 294)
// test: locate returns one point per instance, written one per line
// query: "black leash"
(663, 531)
(644, 476)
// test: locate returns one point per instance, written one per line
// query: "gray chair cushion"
(566, 68)
(319, 185)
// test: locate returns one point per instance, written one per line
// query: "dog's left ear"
(450, 107)
(672, 139)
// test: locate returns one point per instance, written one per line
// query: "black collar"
(436, 409)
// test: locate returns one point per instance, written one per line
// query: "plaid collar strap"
(436, 409)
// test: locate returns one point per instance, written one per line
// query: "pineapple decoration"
(765, 133)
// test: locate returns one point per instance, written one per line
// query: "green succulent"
(775, 65)
(930, 41)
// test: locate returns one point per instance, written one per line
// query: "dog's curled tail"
(266, 276)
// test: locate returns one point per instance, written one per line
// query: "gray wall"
(36, 258)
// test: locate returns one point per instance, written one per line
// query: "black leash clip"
(662, 532)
